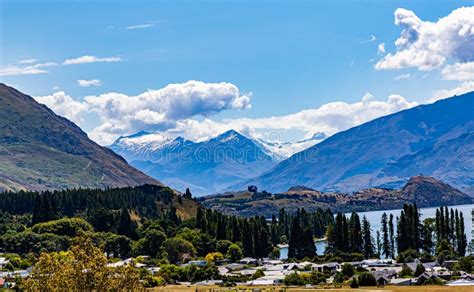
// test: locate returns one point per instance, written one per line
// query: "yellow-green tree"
(83, 267)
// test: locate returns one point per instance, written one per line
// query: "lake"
(375, 216)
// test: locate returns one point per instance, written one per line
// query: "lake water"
(375, 216)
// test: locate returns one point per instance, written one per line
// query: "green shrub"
(366, 279)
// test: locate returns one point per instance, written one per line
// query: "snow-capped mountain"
(205, 167)
(139, 146)
(281, 150)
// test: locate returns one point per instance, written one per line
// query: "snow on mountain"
(281, 150)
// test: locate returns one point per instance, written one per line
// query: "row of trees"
(445, 233)
(348, 235)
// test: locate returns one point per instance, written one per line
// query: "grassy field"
(289, 289)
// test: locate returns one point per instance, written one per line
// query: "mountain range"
(40, 150)
(205, 167)
(433, 139)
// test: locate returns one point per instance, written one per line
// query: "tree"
(188, 194)
(151, 242)
(348, 270)
(406, 272)
(367, 237)
(420, 269)
(366, 279)
(391, 235)
(355, 232)
(126, 225)
(386, 248)
(83, 267)
(234, 253)
(214, 257)
(177, 249)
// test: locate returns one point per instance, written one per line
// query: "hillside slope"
(435, 139)
(422, 190)
(40, 150)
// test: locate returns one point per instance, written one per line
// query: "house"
(381, 280)
(248, 261)
(3, 262)
(267, 280)
(154, 270)
(234, 267)
(449, 264)
(208, 283)
(425, 277)
(331, 267)
(401, 281)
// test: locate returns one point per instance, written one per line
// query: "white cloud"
(464, 87)
(403, 76)
(140, 26)
(381, 49)
(28, 61)
(87, 83)
(459, 71)
(91, 59)
(26, 70)
(427, 45)
(372, 39)
(64, 105)
(330, 118)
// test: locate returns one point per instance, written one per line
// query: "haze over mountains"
(40, 150)
(435, 139)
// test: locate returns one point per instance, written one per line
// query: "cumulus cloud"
(26, 70)
(381, 49)
(330, 118)
(158, 109)
(462, 88)
(427, 45)
(64, 105)
(459, 71)
(91, 59)
(87, 83)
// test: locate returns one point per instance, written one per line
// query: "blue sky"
(285, 57)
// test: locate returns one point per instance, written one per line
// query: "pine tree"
(355, 234)
(386, 250)
(294, 244)
(391, 232)
(367, 237)
(126, 225)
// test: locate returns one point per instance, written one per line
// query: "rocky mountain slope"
(422, 190)
(435, 139)
(40, 150)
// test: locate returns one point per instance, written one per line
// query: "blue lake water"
(375, 216)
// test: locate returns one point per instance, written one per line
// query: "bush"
(64, 227)
(234, 253)
(348, 270)
(420, 269)
(406, 272)
(294, 279)
(354, 283)
(366, 279)
(407, 256)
